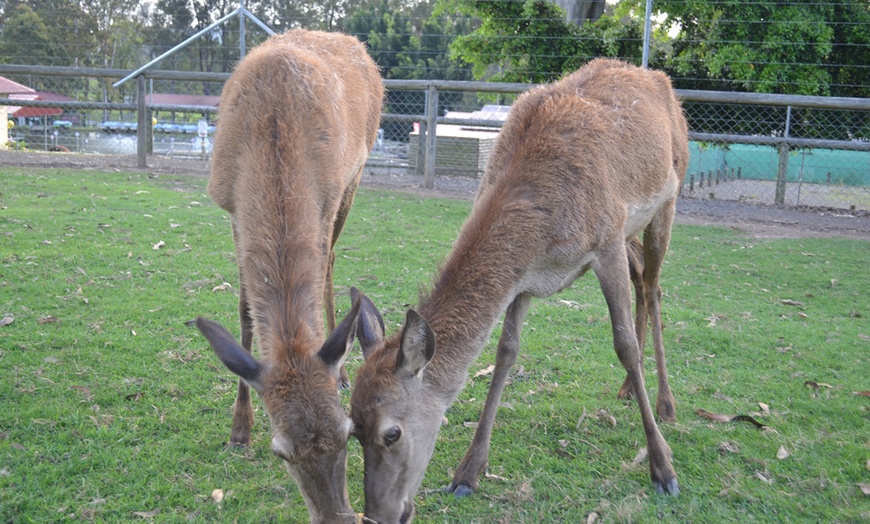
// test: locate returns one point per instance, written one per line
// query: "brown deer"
(298, 118)
(579, 168)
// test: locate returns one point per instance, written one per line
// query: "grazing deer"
(298, 118)
(579, 168)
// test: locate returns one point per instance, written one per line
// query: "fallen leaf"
(816, 385)
(47, 320)
(865, 488)
(147, 514)
(564, 443)
(789, 302)
(134, 396)
(762, 477)
(495, 477)
(6, 320)
(729, 447)
(639, 457)
(222, 287)
(591, 518)
(159, 245)
(782, 453)
(716, 417)
(862, 336)
(862, 393)
(83, 389)
(720, 396)
(605, 416)
(765, 409)
(485, 371)
(470, 424)
(217, 495)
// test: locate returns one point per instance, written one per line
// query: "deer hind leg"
(465, 479)
(243, 410)
(611, 268)
(328, 288)
(635, 267)
(655, 244)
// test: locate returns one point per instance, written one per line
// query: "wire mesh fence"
(765, 149)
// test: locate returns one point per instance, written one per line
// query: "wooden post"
(431, 134)
(141, 122)
(781, 174)
(419, 169)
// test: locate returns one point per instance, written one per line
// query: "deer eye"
(392, 435)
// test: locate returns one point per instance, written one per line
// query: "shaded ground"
(759, 221)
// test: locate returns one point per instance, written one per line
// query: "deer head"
(310, 428)
(396, 417)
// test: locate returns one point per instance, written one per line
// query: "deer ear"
(340, 342)
(417, 346)
(370, 327)
(233, 355)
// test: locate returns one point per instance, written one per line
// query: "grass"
(113, 410)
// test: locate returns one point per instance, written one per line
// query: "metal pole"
(646, 34)
(782, 167)
(242, 29)
(142, 123)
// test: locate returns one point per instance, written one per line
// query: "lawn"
(112, 409)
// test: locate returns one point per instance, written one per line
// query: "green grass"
(113, 410)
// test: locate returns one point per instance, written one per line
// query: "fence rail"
(787, 149)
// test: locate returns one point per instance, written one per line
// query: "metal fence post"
(431, 117)
(420, 161)
(782, 168)
(141, 123)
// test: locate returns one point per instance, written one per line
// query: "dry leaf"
(485, 371)
(48, 320)
(470, 424)
(765, 409)
(147, 514)
(222, 287)
(159, 245)
(6, 320)
(720, 396)
(134, 396)
(862, 393)
(782, 453)
(83, 389)
(217, 495)
(591, 518)
(564, 443)
(816, 385)
(640, 457)
(716, 417)
(495, 477)
(729, 447)
(789, 302)
(862, 336)
(605, 416)
(865, 488)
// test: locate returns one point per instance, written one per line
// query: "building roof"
(8, 87)
(19, 111)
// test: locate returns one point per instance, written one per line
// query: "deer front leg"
(243, 410)
(611, 268)
(467, 474)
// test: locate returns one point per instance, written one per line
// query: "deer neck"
(474, 287)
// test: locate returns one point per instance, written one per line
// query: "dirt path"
(757, 221)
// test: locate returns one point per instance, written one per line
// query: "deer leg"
(611, 268)
(467, 474)
(636, 268)
(243, 410)
(656, 239)
(328, 289)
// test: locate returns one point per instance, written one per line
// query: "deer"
(579, 169)
(297, 120)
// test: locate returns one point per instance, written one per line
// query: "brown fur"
(298, 118)
(579, 168)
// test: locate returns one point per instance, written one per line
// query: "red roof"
(8, 87)
(18, 111)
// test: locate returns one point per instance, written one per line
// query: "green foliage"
(113, 410)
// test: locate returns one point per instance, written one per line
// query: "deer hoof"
(672, 487)
(460, 490)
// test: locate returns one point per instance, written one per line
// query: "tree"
(770, 46)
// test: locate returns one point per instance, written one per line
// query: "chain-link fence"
(765, 149)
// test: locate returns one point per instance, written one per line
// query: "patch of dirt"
(757, 221)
